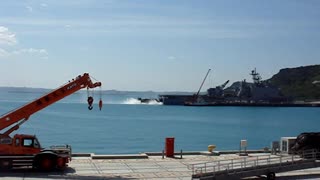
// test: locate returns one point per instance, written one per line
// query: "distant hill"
(24, 90)
(301, 83)
(146, 94)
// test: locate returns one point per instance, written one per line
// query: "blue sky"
(160, 45)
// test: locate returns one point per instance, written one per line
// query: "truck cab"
(20, 144)
(26, 144)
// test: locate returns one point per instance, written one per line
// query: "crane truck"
(25, 150)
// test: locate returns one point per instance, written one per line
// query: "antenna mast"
(255, 76)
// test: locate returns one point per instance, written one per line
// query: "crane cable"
(90, 98)
(100, 102)
(100, 94)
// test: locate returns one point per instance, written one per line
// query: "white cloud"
(172, 57)
(29, 8)
(44, 5)
(68, 26)
(31, 51)
(7, 37)
(41, 53)
(3, 53)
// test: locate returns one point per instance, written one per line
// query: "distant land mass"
(42, 91)
(24, 89)
(300, 83)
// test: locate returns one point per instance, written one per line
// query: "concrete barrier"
(122, 156)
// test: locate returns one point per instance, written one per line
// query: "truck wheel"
(46, 163)
(61, 163)
(271, 176)
(5, 164)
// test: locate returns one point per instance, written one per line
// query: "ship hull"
(175, 99)
(256, 104)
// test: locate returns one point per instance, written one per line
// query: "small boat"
(147, 100)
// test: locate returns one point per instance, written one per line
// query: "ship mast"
(255, 76)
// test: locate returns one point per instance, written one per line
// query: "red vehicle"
(25, 150)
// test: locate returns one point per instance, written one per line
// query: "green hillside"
(299, 83)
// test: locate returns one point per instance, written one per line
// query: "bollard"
(162, 154)
(211, 148)
(181, 154)
(169, 147)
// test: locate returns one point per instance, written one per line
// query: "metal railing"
(239, 164)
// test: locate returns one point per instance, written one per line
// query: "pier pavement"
(123, 167)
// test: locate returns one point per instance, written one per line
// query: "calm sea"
(125, 126)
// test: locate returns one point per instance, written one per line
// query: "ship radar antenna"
(255, 76)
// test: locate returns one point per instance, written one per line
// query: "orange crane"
(25, 150)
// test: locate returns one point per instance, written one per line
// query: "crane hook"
(90, 102)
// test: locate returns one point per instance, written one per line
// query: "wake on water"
(136, 101)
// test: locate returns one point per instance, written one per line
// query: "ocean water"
(126, 126)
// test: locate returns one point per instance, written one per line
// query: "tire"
(5, 164)
(46, 162)
(61, 163)
(271, 176)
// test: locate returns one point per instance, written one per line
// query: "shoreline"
(256, 104)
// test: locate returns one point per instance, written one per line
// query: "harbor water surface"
(124, 126)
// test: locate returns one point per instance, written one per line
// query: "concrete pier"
(140, 166)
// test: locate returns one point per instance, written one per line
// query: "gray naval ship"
(241, 93)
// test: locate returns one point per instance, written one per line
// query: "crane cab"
(20, 144)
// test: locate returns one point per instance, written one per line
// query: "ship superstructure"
(257, 92)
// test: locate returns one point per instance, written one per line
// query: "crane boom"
(202, 83)
(21, 114)
(197, 95)
(224, 84)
